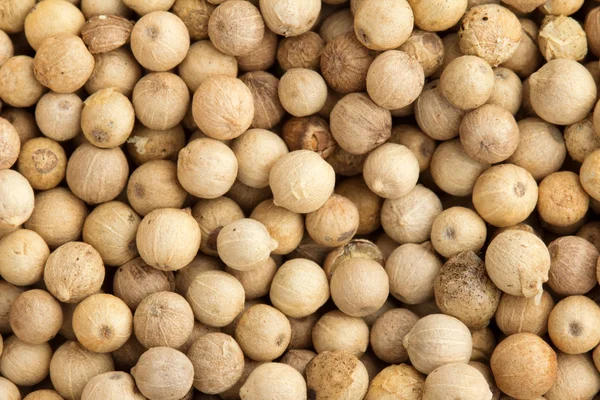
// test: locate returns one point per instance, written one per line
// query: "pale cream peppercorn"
(207, 168)
(301, 181)
(518, 263)
(467, 82)
(299, 288)
(245, 244)
(383, 24)
(168, 238)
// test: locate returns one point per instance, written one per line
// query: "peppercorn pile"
(299, 199)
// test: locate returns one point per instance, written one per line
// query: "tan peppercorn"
(562, 200)
(160, 41)
(160, 100)
(274, 381)
(573, 265)
(395, 79)
(299, 288)
(289, 17)
(408, 219)
(508, 90)
(505, 195)
(337, 374)
(576, 377)
(43, 162)
(262, 57)
(35, 316)
(23, 121)
(154, 185)
(456, 379)
(406, 285)
(302, 51)
(484, 343)
(8, 295)
(427, 48)
(256, 282)
(72, 366)
(345, 63)
(435, 115)
(135, 280)
(168, 238)
(111, 384)
(553, 101)
(572, 325)
(338, 23)
(13, 21)
(51, 18)
(516, 314)
(561, 7)
(359, 286)
(146, 7)
(284, 226)
(368, 203)
(236, 27)
(453, 170)
(116, 69)
(207, 168)
(227, 298)
(163, 319)
(218, 362)
(263, 332)
(379, 167)
(204, 60)
(562, 37)
(59, 115)
(18, 84)
(489, 134)
(163, 373)
(464, 290)
(387, 335)
(107, 118)
(302, 92)
(195, 15)
(23, 254)
(518, 263)
(245, 244)
(301, 169)
(491, 32)
(383, 25)
(335, 223)
(541, 149)
(337, 331)
(17, 200)
(592, 30)
(211, 216)
(58, 216)
(223, 107)
(587, 174)
(527, 58)
(467, 82)
(23, 363)
(531, 358)
(438, 339)
(105, 33)
(358, 124)
(97, 175)
(580, 139)
(10, 145)
(102, 323)
(436, 15)
(63, 63)
(397, 380)
(256, 150)
(458, 229)
(268, 111)
(73, 272)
